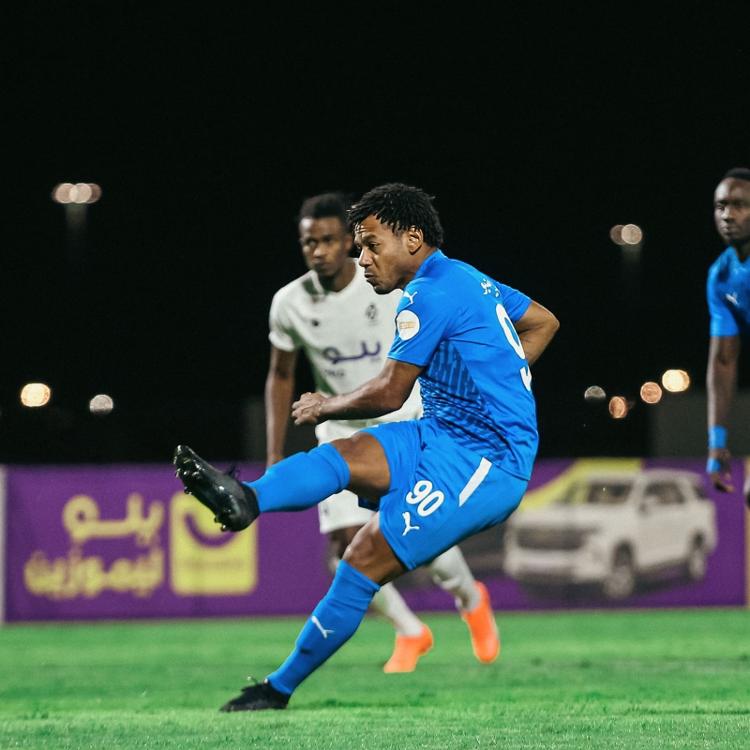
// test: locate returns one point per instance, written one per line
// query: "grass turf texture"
(635, 679)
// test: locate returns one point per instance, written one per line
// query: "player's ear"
(414, 239)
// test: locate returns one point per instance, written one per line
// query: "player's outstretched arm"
(385, 393)
(721, 381)
(278, 400)
(536, 328)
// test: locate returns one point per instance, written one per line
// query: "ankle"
(251, 498)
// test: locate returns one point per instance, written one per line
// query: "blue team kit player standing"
(728, 295)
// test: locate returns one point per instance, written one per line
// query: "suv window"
(666, 493)
(596, 493)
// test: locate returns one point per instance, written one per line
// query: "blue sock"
(302, 480)
(330, 626)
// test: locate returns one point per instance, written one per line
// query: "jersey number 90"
(423, 496)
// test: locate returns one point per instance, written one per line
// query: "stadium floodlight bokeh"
(618, 407)
(594, 393)
(626, 235)
(675, 381)
(101, 404)
(78, 193)
(629, 238)
(34, 395)
(75, 199)
(651, 393)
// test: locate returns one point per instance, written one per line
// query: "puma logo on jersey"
(407, 523)
(733, 298)
(410, 296)
(323, 631)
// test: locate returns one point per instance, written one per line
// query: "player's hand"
(719, 459)
(307, 409)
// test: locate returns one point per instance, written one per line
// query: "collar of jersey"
(736, 258)
(436, 257)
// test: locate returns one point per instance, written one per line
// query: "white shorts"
(341, 510)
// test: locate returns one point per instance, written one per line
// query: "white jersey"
(345, 335)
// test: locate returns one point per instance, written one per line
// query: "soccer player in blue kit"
(459, 469)
(728, 293)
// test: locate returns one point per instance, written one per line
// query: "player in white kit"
(345, 330)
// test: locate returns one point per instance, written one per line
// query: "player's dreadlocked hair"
(325, 205)
(738, 173)
(399, 207)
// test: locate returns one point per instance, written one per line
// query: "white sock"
(452, 574)
(389, 603)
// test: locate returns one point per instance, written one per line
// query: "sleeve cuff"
(281, 343)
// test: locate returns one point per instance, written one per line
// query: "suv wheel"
(695, 565)
(620, 583)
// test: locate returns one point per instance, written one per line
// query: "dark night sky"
(205, 129)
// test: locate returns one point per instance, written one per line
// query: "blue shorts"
(440, 492)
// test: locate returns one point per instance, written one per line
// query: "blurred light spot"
(651, 392)
(675, 381)
(594, 393)
(96, 193)
(81, 192)
(101, 404)
(618, 407)
(615, 234)
(61, 192)
(631, 234)
(35, 394)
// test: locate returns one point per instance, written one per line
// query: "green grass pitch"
(630, 679)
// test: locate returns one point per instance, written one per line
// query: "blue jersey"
(457, 323)
(728, 292)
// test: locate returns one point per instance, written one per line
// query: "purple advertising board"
(611, 533)
(123, 541)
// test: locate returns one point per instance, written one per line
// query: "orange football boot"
(407, 651)
(485, 639)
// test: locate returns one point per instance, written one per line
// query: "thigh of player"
(444, 495)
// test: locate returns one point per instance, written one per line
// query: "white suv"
(611, 529)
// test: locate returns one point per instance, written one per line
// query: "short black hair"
(399, 207)
(738, 173)
(324, 205)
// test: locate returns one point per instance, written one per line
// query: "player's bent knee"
(361, 551)
(340, 539)
(369, 473)
(370, 554)
(351, 449)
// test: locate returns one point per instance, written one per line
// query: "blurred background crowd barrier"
(87, 542)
